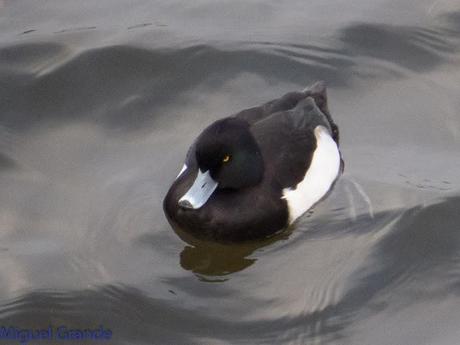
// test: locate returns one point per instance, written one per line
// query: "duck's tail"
(318, 92)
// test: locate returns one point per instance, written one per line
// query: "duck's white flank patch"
(323, 171)
(184, 167)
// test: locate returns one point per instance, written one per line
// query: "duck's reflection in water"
(213, 261)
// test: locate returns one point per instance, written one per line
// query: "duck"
(252, 174)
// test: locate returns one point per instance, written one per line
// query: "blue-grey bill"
(199, 192)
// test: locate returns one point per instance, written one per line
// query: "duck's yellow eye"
(226, 158)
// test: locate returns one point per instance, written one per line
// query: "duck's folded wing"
(287, 140)
(290, 101)
(287, 102)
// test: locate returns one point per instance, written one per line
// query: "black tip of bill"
(185, 204)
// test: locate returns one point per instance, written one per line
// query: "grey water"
(99, 102)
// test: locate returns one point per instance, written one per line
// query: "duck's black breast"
(229, 215)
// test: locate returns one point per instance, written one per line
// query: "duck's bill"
(200, 192)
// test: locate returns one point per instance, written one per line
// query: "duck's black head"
(228, 158)
(230, 153)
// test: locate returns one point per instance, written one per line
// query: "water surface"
(98, 105)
